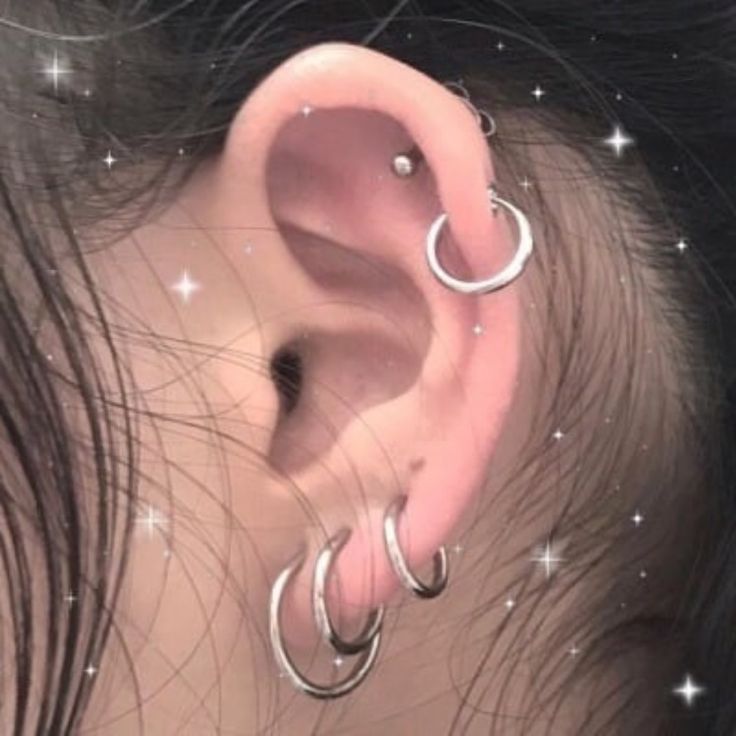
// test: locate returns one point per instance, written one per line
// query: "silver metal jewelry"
(322, 569)
(391, 538)
(508, 274)
(406, 163)
(283, 660)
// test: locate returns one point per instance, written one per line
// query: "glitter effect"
(153, 519)
(681, 245)
(548, 558)
(109, 160)
(185, 286)
(688, 691)
(56, 70)
(637, 518)
(618, 140)
(538, 92)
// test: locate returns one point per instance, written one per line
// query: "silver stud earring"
(406, 163)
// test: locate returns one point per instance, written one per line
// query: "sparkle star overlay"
(689, 690)
(186, 287)
(548, 558)
(56, 71)
(619, 140)
(152, 519)
(109, 160)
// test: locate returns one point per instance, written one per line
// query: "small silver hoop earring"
(398, 560)
(512, 271)
(322, 568)
(283, 660)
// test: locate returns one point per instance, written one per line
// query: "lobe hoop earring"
(398, 561)
(284, 661)
(322, 568)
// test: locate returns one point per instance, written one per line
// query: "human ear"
(404, 385)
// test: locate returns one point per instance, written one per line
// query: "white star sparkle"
(618, 140)
(525, 184)
(185, 286)
(109, 160)
(637, 518)
(70, 598)
(538, 92)
(574, 650)
(500, 45)
(558, 435)
(56, 70)
(153, 519)
(509, 603)
(90, 670)
(478, 329)
(681, 245)
(548, 558)
(689, 690)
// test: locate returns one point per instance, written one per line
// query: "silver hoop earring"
(322, 568)
(283, 660)
(398, 561)
(511, 272)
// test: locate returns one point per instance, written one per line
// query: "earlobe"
(406, 384)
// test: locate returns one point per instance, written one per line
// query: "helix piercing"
(512, 271)
(406, 163)
(398, 561)
(322, 568)
(284, 661)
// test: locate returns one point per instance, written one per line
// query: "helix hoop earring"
(322, 568)
(398, 561)
(508, 274)
(283, 660)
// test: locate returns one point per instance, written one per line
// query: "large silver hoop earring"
(512, 271)
(398, 561)
(283, 660)
(322, 568)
